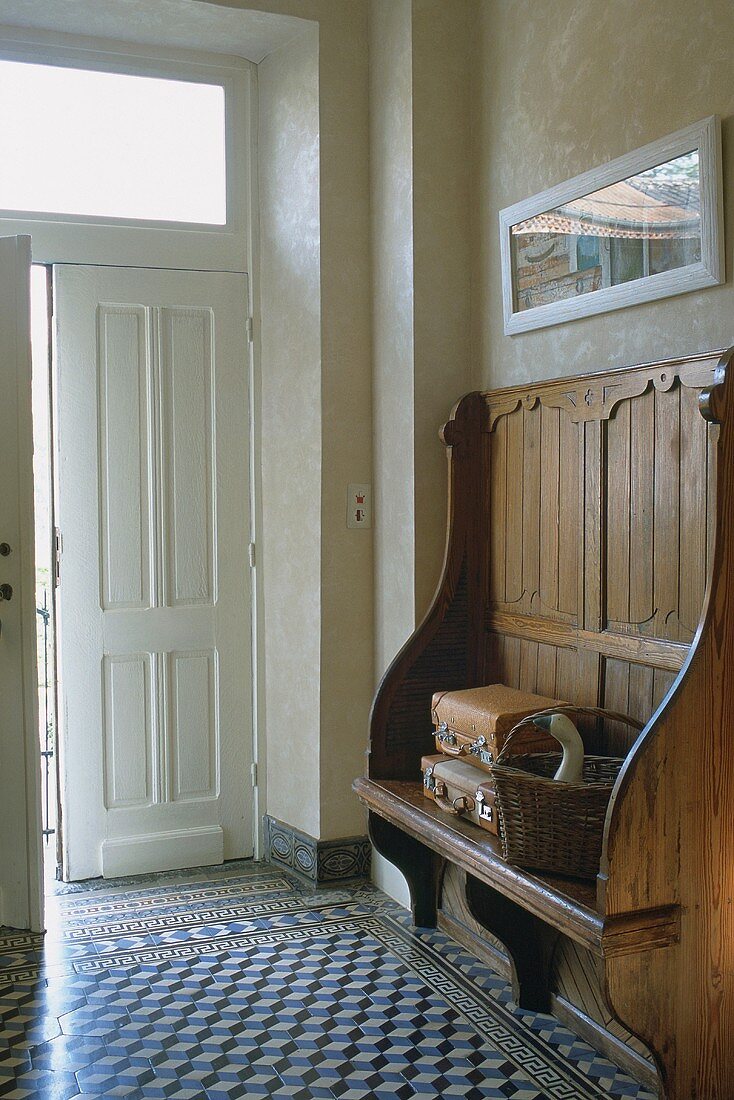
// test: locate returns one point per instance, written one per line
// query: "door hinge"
(57, 557)
(251, 555)
(253, 774)
(248, 329)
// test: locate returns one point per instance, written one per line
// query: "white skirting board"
(139, 855)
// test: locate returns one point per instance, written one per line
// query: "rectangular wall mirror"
(645, 226)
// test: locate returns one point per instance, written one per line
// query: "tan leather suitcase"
(460, 788)
(475, 722)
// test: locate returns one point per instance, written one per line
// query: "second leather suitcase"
(460, 788)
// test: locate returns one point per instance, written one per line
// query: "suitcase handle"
(447, 742)
(460, 805)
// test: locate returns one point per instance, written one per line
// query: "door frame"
(102, 246)
(21, 785)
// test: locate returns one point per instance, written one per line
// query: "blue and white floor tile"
(237, 982)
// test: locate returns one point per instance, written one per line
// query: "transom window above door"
(111, 145)
(125, 154)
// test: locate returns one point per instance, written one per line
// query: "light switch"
(359, 506)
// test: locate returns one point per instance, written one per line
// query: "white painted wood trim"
(21, 860)
(162, 851)
(64, 238)
(705, 136)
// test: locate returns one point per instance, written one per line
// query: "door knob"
(6, 592)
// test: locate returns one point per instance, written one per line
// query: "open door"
(154, 595)
(21, 876)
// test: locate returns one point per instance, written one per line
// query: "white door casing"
(21, 894)
(154, 601)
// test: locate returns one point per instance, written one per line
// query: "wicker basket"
(549, 826)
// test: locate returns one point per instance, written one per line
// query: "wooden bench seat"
(568, 905)
(590, 557)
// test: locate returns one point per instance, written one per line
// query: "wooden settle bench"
(590, 557)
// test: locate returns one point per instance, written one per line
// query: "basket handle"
(598, 712)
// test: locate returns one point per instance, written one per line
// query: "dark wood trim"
(415, 861)
(528, 939)
(404, 805)
(653, 652)
(497, 960)
(607, 1044)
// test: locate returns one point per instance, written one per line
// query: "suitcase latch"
(428, 780)
(444, 737)
(484, 809)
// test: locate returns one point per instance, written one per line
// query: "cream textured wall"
(420, 189)
(290, 429)
(561, 88)
(391, 191)
(346, 559)
(316, 414)
(420, 177)
(391, 186)
(442, 164)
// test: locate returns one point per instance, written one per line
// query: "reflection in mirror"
(639, 226)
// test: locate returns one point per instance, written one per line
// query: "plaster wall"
(442, 163)
(420, 194)
(391, 187)
(564, 87)
(290, 425)
(316, 416)
(391, 192)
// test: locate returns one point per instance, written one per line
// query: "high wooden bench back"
(584, 521)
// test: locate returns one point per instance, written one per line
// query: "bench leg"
(415, 861)
(529, 942)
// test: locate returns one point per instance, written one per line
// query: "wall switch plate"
(359, 506)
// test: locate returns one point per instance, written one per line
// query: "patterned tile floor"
(235, 981)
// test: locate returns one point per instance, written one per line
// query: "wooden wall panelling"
(570, 497)
(497, 587)
(593, 501)
(529, 548)
(550, 534)
(528, 665)
(641, 609)
(667, 512)
(514, 504)
(693, 513)
(546, 681)
(617, 526)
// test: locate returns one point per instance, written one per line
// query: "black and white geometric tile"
(237, 982)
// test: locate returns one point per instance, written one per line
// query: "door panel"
(154, 603)
(21, 897)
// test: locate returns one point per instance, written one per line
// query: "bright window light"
(110, 145)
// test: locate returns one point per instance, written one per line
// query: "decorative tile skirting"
(316, 860)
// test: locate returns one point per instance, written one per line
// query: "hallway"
(235, 981)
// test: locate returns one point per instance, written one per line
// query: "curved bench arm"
(443, 653)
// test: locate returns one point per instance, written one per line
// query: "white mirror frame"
(704, 136)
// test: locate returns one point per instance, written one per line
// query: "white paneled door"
(154, 600)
